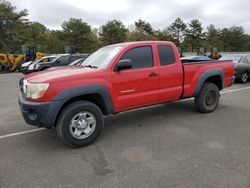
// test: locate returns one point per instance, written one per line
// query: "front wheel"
(208, 98)
(80, 123)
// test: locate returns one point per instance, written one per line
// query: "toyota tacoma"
(118, 78)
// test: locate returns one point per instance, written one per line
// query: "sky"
(159, 13)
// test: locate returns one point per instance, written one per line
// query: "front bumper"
(39, 113)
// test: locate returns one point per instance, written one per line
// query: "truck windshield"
(102, 57)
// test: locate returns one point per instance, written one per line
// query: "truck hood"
(61, 73)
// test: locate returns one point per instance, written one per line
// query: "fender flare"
(66, 95)
(205, 76)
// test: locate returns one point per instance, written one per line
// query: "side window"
(166, 55)
(141, 57)
(248, 59)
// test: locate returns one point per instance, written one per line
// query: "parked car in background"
(242, 67)
(25, 66)
(76, 63)
(60, 60)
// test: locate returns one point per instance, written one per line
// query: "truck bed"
(193, 70)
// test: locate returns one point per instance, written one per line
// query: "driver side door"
(138, 86)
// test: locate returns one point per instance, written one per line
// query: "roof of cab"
(125, 44)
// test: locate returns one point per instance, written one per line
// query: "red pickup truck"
(117, 78)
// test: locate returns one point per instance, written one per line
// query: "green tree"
(54, 42)
(177, 29)
(247, 46)
(194, 35)
(78, 34)
(113, 32)
(143, 31)
(143, 27)
(163, 35)
(212, 37)
(12, 27)
(233, 39)
(17, 30)
(36, 36)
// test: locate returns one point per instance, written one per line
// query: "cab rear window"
(166, 55)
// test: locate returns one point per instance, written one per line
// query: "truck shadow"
(47, 139)
(145, 119)
(160, 115)
(170, 111)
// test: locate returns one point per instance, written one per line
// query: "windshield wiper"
(90, 66)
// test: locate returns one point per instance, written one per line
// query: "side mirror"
(123, 64)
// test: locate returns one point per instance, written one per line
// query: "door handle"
(153, 74)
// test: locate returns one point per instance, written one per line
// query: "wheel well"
(215, 80)
(94, 98)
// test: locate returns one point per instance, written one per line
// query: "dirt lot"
(169, 145)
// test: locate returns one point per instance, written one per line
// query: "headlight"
(35, 90)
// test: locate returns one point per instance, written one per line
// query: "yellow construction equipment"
(39, 55)
(9, 62)
(12, 62)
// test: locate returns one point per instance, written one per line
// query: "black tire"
(208, 98)
(244, 77)
(64, 129)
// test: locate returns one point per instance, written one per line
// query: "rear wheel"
(244, 77)
(208, 98)
(80, 123)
